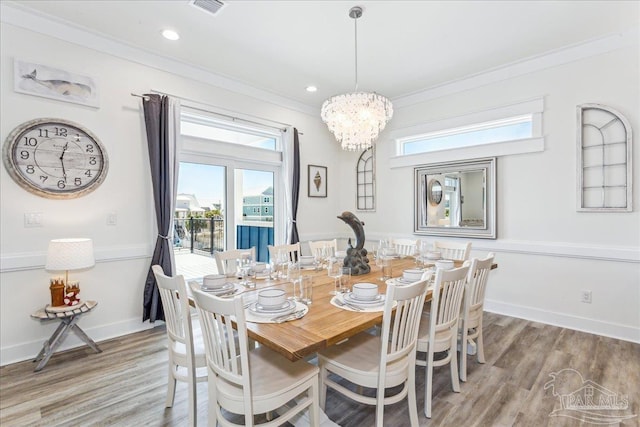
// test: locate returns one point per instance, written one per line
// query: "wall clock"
(55, 158)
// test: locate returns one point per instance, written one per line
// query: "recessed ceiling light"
(312, 89)
(170, 35)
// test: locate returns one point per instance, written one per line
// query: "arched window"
(366, 181)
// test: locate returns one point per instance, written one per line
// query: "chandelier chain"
(355, 20)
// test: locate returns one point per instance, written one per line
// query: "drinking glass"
(345, 280)
(383, 260)
(335, 271)
(244, 265)
(305, 289)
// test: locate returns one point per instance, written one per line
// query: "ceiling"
(403, 46)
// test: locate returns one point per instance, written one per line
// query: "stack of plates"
(277, 310)
(216, 284)
(352, 298)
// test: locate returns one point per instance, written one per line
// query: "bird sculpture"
(356, 257)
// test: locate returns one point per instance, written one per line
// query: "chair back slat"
(475, 290)
(446, 303)
(168, 289)
(405, 247)
(226, 260)
(226, 356)
(314, 247)
(400, 330)
(453, 250)
(293, 251)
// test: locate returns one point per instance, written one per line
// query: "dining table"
(324, 324)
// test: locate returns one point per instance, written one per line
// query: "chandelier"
(356, 118)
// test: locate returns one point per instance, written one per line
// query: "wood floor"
(125, 385)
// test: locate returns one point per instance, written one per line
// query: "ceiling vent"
(209, 6)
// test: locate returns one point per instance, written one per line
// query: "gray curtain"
(160, 122)
(295, 187)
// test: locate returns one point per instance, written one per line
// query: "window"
(201, 126)
(510, 129)
(501, 131)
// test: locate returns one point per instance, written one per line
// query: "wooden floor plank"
(126, 384)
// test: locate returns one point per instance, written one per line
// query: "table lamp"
(65, 255)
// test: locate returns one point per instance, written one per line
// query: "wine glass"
(335, 271)
(243, 265)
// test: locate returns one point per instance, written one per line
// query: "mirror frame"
(422, 199)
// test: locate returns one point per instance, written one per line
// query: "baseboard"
(583, 324)
(29, 350)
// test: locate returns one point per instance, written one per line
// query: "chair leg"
(463, 355)
(323, 384)
(480, 345)
(380, 408)
(212, 404)
(411, 396)
(455, 381)
(171, 386)
(193, 400)
(429, 384)
(314, 409)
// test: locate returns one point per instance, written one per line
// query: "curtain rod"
(233, 118)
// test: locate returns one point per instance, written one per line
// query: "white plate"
(286, 308)
(399, 281)
(262, 276)
(348, 297)
(219, 290)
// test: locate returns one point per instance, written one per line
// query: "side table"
(68, 319)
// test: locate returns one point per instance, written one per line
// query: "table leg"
(84, 337)
(53, 342)
(47, 343)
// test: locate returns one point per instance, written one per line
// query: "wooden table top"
(324, 325)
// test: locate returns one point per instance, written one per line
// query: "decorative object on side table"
(356, 256)
(65, 255)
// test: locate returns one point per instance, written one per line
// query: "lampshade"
(70, 254)
(356, 118)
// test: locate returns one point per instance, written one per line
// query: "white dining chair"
(186, 348)
(380, 361)
(293, 251)
(319, 244)
(472, 311)
(453, 250)
(250, 382)
(439, 328)
(405, 247)
(226, 260)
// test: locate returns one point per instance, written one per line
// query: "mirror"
(456, 199)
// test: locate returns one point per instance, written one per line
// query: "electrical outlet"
(585, 296)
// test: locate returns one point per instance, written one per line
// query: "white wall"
(546, 251)
(122, 251)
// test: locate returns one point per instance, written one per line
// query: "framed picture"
(49, 82)
(317, 181)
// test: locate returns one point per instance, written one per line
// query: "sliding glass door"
(229, 191)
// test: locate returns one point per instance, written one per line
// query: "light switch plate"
(33, 219)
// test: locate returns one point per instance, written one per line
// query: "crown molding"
(20, 16)
(597, 46)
